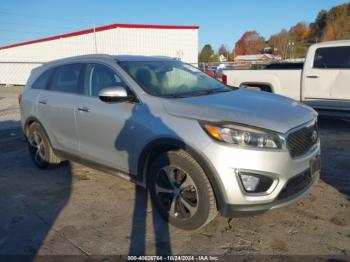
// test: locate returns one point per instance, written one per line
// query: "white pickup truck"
(323, 81)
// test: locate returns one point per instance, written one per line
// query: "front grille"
(296, 184)
(300, 141)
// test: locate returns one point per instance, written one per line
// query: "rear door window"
(43, 80)
(67, 78)
(332, 57)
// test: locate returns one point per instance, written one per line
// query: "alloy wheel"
(176, 192)
(37, 147)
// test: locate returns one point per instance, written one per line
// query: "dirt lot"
(76, 210)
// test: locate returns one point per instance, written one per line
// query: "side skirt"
(112, 171)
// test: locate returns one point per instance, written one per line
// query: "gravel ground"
(75, 210)
(9, 110)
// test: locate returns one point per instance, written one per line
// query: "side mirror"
(114, 94)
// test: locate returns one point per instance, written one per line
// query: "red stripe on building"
(98, 29)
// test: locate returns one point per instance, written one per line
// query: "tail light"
(210, 73)
(224, 79)
(19, 98)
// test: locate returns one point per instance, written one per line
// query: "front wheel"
(181, 191)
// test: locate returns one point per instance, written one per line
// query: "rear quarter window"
(43, 80)
(332, 57)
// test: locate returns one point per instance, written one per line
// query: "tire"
(181, 191)
(40, 148)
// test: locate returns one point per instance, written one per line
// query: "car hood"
(248, 107)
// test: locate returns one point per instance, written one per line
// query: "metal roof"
(98, 29)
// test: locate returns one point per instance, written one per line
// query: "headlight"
(243, 136)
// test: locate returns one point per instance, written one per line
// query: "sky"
(220, 22)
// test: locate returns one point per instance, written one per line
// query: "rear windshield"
(172, 78)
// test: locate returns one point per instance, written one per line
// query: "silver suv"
(198, 145)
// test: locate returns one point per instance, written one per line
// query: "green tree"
(214, 58)
(206, 53)
(298, 35)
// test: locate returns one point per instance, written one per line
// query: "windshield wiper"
(197, 93)
(211, 91)
(219, 90)
(172, 96)
(187, 94)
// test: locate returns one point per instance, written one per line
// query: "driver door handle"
(83, 109)
(43, 102)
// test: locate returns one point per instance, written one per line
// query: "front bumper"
(231, 210)
(277, 164)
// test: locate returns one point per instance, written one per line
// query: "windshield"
(172, 79)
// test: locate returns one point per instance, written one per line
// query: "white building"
(222, 58)
(255, 58)
(17, 60)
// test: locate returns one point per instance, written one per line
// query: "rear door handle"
(43, 102)
(83, 109)
(312, 76)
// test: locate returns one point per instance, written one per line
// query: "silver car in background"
(198, 145)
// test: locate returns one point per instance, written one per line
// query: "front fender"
(164, 144)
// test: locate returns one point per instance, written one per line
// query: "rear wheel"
(40, 148)
(181, 191)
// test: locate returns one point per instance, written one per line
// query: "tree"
(214, 58)
(328, 25)
(231, 56)
(298, 35)
(331, 25)
(290, 43)
(279, 43)
(250, 43)
(329, 33)
(223, 50)
(300, 30)
(206, 53)
(337, 23)
(316, 28)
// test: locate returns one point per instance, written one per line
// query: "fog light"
(255, 183)
(249, 182)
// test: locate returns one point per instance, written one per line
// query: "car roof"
(118, 58)
(139, 58)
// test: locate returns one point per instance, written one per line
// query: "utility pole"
(291, 49)
(95, 40)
